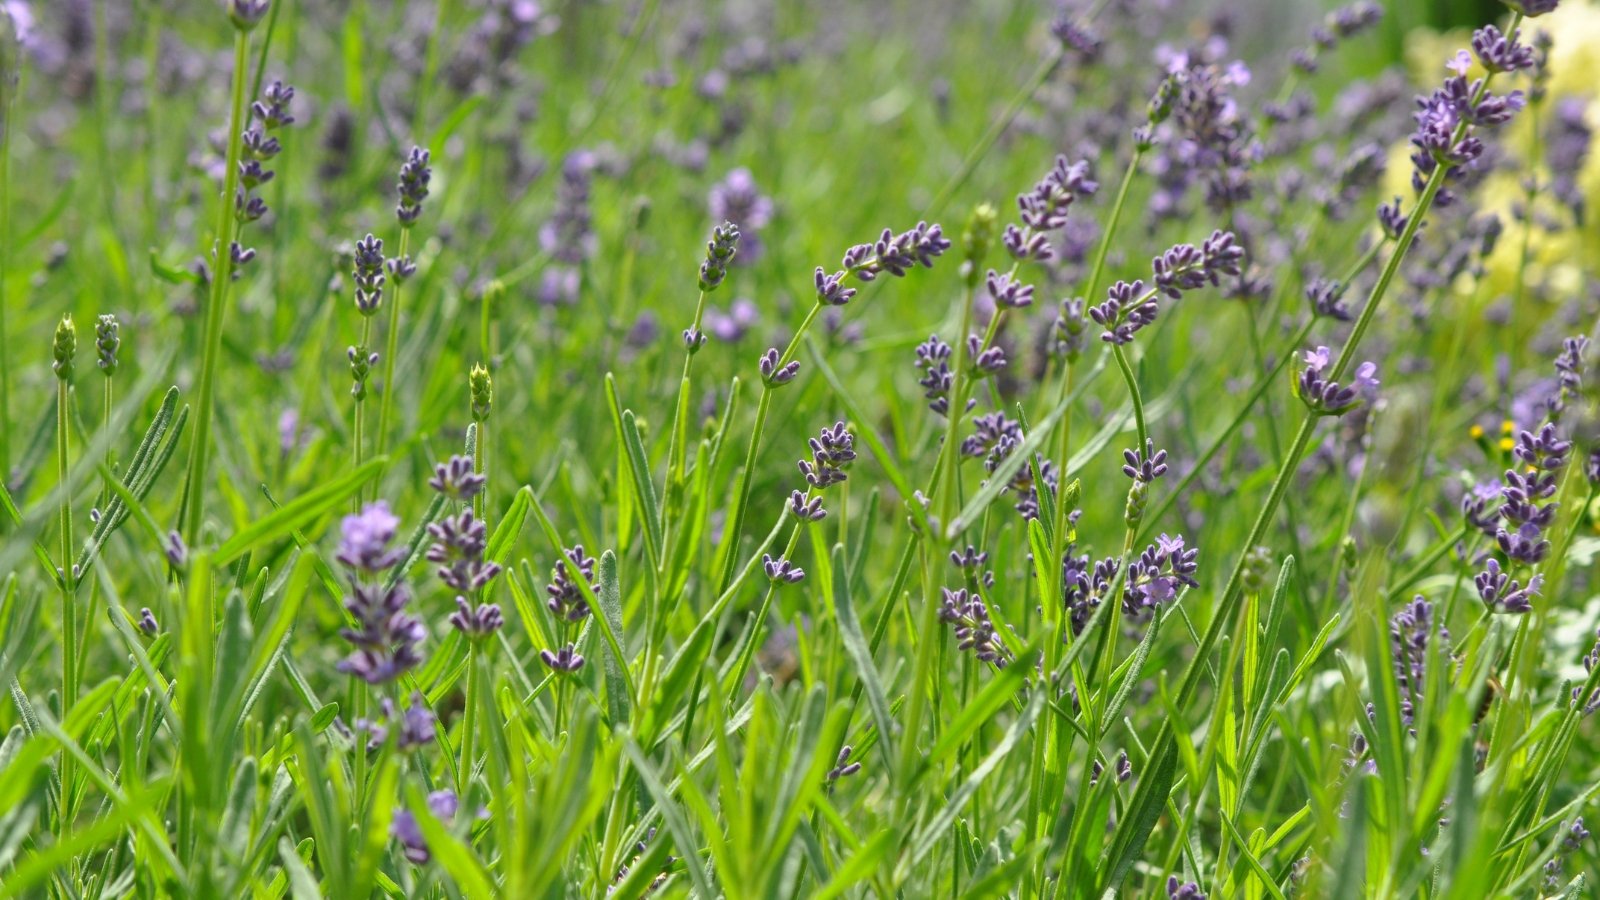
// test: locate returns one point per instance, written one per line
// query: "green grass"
(729, 733)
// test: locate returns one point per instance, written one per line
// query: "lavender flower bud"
(1177, 890)
(1501, 593)
(362, 362)
(781, 571)
(147, 621)
(456, 479)
(246, 14)
(401, 268)
(842, 767)
(720, 251)
(1501, 52)
(106, 342)
(1533, 8)
(476, 622)
(1146, 466)
(367, 273)
(65, 348)
(830, 288)
(832, 452)
(565, 660)
(1007, 292)
(806, 510)
(1330, 398)
(413, 187)
(775, 375)
(481, 386)
(567, 602)
(174, 550)
(1327, 299)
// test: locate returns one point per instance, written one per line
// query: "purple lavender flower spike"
(413, 187)
(985, 360)
(774, 374)
(832, 452)
(565, 660)
(476, 622)
(367, 272)
(442, 805)
(1330, 398)
(1501, 52)
(933, 358)
(1177, 890)
(455, 478)
(458, 545)
(720, 251)
(830, 288)
(1533, 8)
(385, 636)
(1007, 292)
(566, 599)
(365, 539)
(1501, 593)
(971, 558)
(780, 570)
(1410, 631)
(176, 553)
(806, 510)
(1147, 466)
(896, 254)
(973, 630)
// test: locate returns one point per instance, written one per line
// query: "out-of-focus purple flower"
(455, 478)
(1189, 890)
(568, 235)
(174, 550)
(1410, 630)
(1566, 148)
(1570, 368)
(418, 725)
(386, 638)
(1501, 593)
(365, 539)
(1533, 8)
(736, 199)
(1327, 299)
(442, 805)
(1071, 325)
(1330, 398)
(1076, 37)
(733, 325)
(246, 14)
(1006, 292)
(1475, 506)
(147, 621)
(842, 767)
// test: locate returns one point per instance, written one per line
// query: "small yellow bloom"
(1476, 431)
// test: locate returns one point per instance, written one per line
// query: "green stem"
(391, 348)
(221, 277)
(69, 600)
(469, 723)
(763, 407)
(680, 419)
(1133, 393)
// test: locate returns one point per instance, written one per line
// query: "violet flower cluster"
(1326, 397)
(258, 145)
(569, 604)
(386, 637)
(1130, 306)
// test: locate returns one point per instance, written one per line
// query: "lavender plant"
(638, 562)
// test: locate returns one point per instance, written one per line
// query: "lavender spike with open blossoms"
(386, 637)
